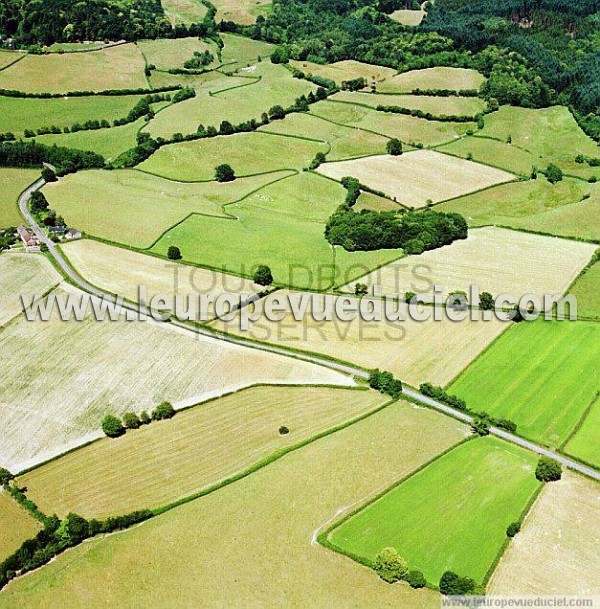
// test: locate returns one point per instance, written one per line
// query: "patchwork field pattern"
(487, 484)
(542, 375)
(556, 552)
(305, 490)
(16, 525)
(200, 447)
(538, 265)
(418, 177)
(114, 378)
(432, 78)
(134, 208)
(12, 183)
(118, 67)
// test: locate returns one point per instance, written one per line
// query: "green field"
(585, 443)
(432, 78)
(184, 11)
(247, 153)
(537, 205)
(450, 516)
(8, 57)
(134, 208)
(18, 114)
(244, 51)
(541, 375)
(12, 183)
(174, 53)
(16, 525)
(587, 291)
(249, 544)
(282, 226)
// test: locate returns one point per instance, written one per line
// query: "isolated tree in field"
(394, 147)
(416, 579)
(512, 529)
(131, 420)
(263, 275)
(486, 301)
(390, 566)
(554, 174)
(5, 476)
(452, 584)
(173, 253)
(548, 470)
(360, 289)
(224, 173)
(163, 411)
(283, 430)
(112, 426)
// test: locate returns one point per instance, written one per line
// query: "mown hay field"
(238, 98)
(184, 11)
(246, 153)
(118, 67)
(243, 12)
(12, 183)
(368, 200)
(281, 225)
(408, 17)
(418, 177)
(134, 208)
(278, 510)
(432, 78)
(556, 551)
(122, 272)
(570, 208)
(347, 69)
(587, 291)
(344, 142)
(173, 53)
(26, 274)
(434, 351)
(18, 114)
(16, 525)
(542, 375)
(450, 516)
(408, 129)
(538, 265)
(60, 378)
(451, 106)
(200, 447)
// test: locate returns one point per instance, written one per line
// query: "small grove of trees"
(360, 289)
(452, 584)
(486, 301)
(114, 427)
(263, 275)
(548, 470)
(553, 173)
(390, 566)
(173, 253)
(480, 427)
(224, 173)
(394, 147)
(352, 186)
(512, 529)
(384, 382)
(5, 476)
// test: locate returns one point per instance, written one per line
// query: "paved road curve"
(347, 369)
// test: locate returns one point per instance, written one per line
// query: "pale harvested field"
(173, 53)
(60, 378)
(28, 274)
(121, 271)
(345, 70)
(417, 177)
(408, 17)
(198, 448)
(415, 352)
(16, 525)
(432, 78)
(119, 67)
(263, 526)
(450, 106)
(558, 549)
(496, 260)
(134, 208)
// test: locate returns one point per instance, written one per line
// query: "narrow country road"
(338, 366)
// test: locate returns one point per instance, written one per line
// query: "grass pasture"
(134, 208)
(247, 153)
(278, 510)
(243, 12)
(118, 67)
(243, 50)
(455, 106)
(542, 375)
(282, 225)
(173, 53)
(345, 70)
(12, 183)
(452, 515)
(408, 17)
(18, 114)
(16, 525)
(115, 367)
(556, 551)
(184, 11)
(8, 57)
(434, 351)
(207, 444)
(417, 177)
(587, 291)
(584, 443)
(432, 78)
(23, 274)
(539, 265)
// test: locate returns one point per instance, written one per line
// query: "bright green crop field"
(585, 443)
(12, 183)
(452, 515)
(542, 375)
(587, 291)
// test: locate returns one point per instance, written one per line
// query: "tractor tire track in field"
(68, 270)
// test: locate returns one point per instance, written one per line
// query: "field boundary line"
(523, 176)
(595, 400)
(12, 63)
